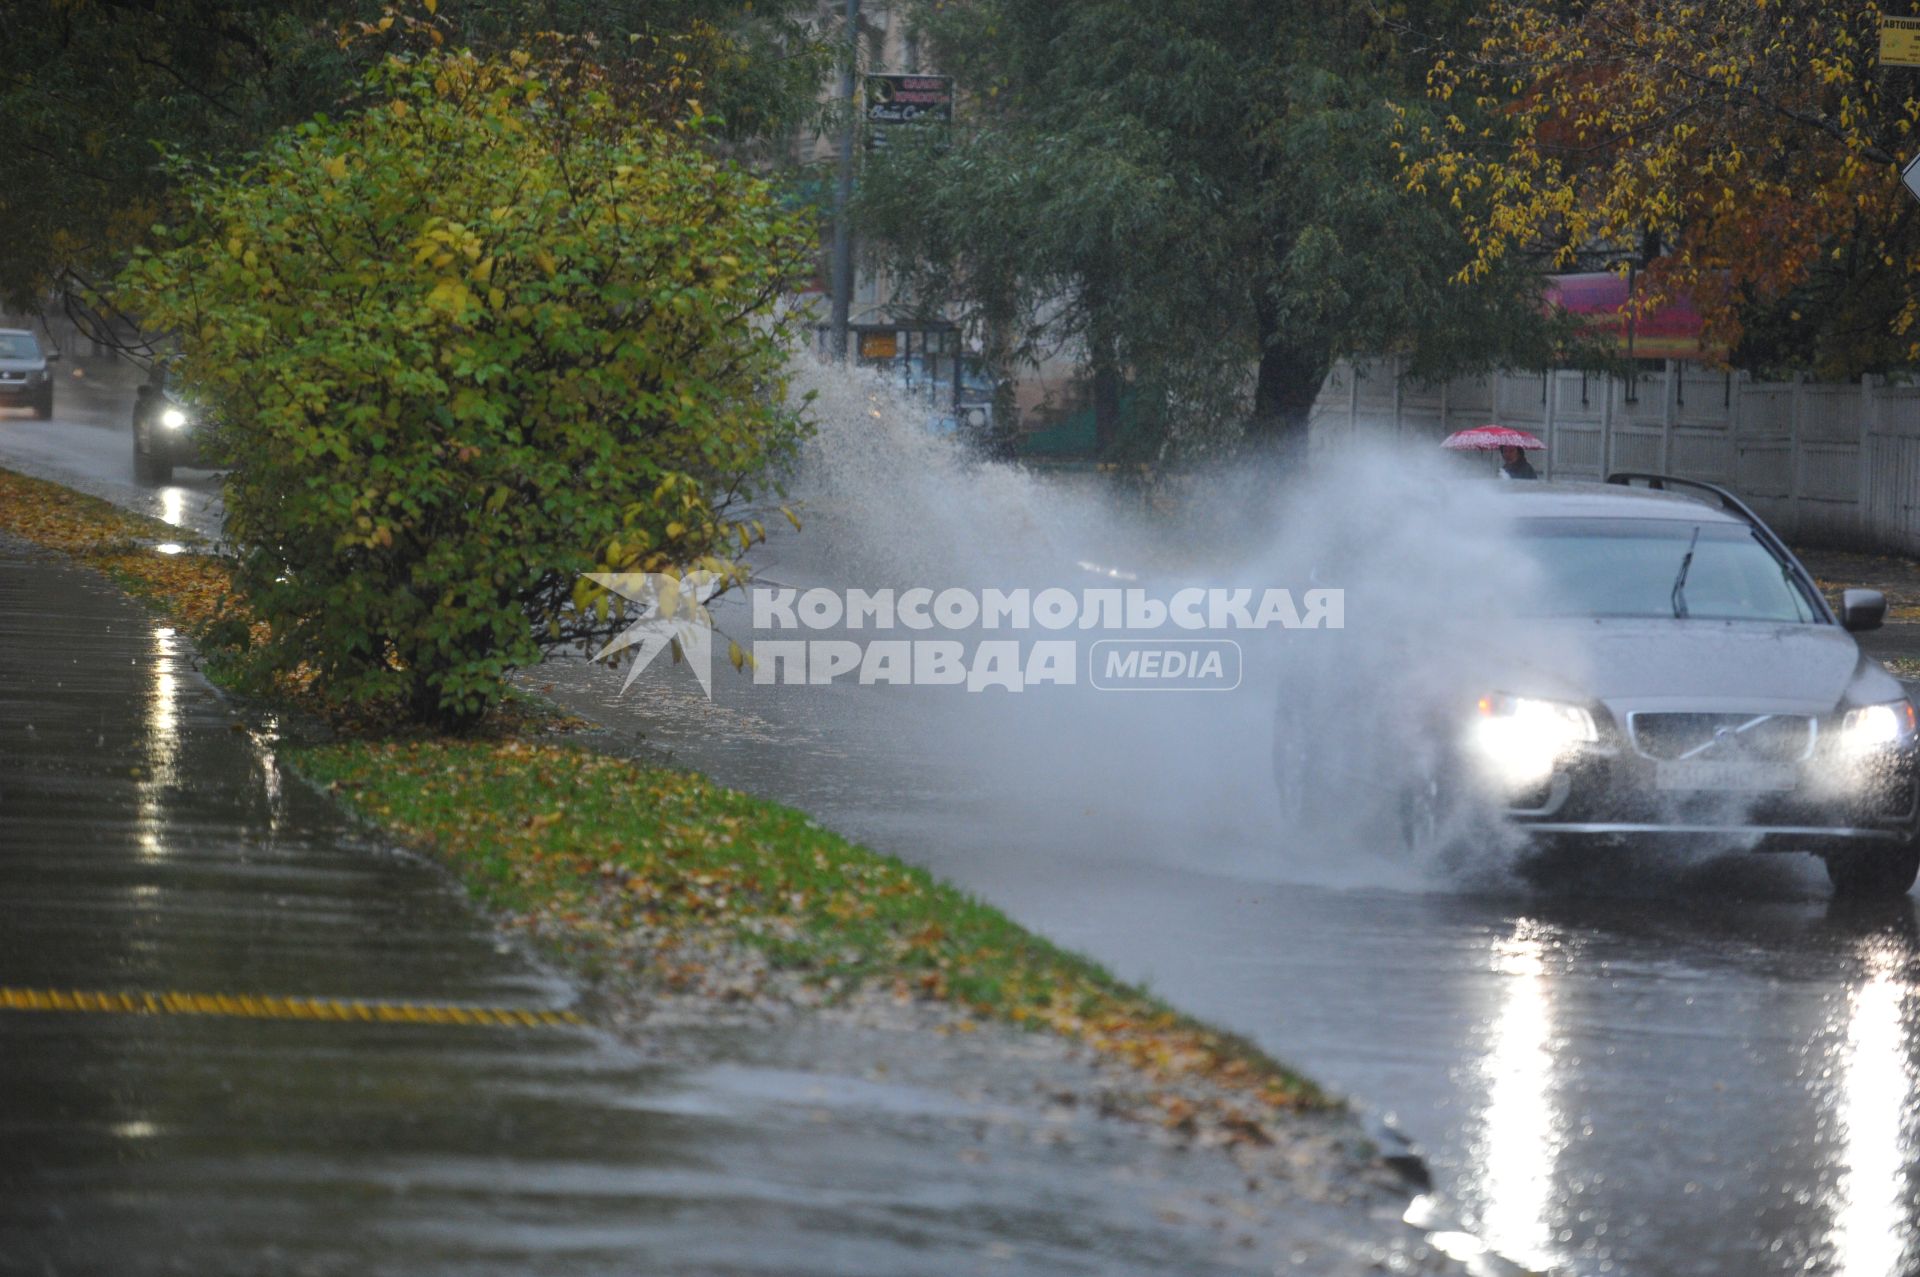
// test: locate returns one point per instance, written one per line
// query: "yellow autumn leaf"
(450, 295)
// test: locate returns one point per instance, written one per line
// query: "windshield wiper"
(1680, 582)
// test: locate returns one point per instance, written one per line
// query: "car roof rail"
(1735, 506)
(1659, 482)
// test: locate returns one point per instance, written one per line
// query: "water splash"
(1188, 779)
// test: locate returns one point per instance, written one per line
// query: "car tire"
(1873, 872)
(43, 409)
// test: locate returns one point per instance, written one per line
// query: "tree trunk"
(1291, 372)
(1106, 404)
(1104, 366)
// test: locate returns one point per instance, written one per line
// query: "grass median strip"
(597, 847)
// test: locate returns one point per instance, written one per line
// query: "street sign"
(906, 99)
(1900, 42)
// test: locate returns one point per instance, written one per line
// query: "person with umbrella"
(1514, 464)
(1512, 445)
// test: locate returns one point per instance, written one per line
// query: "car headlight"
(173, 419)
(1520, 739)
(1873, 728)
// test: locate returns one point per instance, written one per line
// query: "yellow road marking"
(260, 1007)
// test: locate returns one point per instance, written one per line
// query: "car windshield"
(18, 346)
(1632, 567)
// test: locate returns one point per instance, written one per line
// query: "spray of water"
(1210, 780)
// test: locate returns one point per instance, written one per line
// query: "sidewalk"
(149, 846)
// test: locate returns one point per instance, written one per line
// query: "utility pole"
(843, 192)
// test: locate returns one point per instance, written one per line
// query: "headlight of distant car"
(1520, 739)
(173, 419)
(1871, 729)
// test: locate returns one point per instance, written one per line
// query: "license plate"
(1733, 777)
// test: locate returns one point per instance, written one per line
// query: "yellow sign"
(1900, 42)
(879, 345)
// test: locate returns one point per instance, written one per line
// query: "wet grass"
(603, 846)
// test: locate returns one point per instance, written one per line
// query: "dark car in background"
(166, 428)
(26, 373)
(1679, 676)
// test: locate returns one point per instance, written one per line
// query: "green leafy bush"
(462, 346)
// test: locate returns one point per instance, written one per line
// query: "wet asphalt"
(1693, 1066)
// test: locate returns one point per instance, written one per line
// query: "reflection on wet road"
(1655, 1067)
(1519, 1135)
(1873, 1106)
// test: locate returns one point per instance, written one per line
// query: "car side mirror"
(1862, 610)
(53, 356)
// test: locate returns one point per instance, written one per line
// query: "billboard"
(906, 99)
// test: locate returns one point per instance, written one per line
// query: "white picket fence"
(1823, 463)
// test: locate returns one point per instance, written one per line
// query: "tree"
(1746, 153)
(1203, 196)
(95, 92)
(88, 87)
(464, 346)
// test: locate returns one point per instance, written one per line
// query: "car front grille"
(1774, 738)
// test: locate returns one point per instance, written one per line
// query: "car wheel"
(44, 408)
(1873, 871)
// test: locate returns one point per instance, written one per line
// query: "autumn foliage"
(1744, 151)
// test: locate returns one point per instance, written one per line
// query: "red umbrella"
(1490, 439)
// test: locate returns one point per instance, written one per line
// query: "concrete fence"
(1832, 464)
